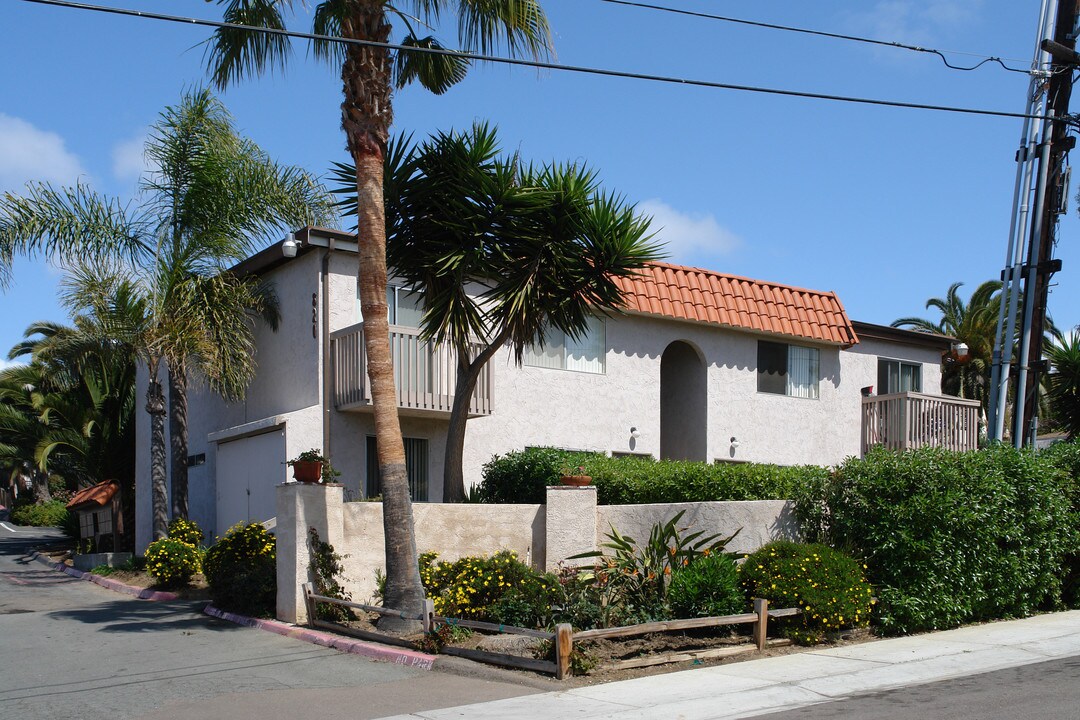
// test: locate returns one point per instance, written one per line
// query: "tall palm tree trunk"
(366, 117)
(178, 439)
(155, 406)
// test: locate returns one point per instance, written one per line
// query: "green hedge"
(950, 537)
(48, 514)
(520, 477)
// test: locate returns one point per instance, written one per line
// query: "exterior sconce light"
(960, 350)
(634, 433)
(289, 246)
(734, 442)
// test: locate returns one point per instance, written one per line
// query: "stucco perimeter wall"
(453, 531)
(758, 522)
(546, 535)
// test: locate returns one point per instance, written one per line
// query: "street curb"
(398, 656)
(107, 583)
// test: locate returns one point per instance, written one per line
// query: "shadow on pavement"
(130, 615)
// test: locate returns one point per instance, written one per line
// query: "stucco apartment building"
(701, 366)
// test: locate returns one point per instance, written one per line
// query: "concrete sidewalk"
(756, 687)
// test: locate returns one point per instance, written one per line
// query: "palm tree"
(545, 242)
(974, 323)
(1063, 383)
(369, 74)
(211, 196)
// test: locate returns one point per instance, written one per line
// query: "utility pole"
(1041, 264)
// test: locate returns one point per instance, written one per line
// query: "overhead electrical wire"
(535, 63)
(822, 33)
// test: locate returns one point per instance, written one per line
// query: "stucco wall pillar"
(571, 524)
(301, 506)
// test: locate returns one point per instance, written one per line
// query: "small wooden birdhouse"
(100, 516)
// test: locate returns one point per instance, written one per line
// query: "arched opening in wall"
(683, 403)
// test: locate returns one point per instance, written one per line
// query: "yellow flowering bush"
(499, 588)
(172, 562)
(829, 587)
(186, 531)
(241, 569)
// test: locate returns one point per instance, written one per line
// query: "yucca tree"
(545, 243)
(211, 196)
(369, 76)
(974, 323)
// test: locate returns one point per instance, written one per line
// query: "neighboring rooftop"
(687, 293)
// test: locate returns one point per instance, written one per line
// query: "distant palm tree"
(210, 197)
(369, 74)
(974, 323)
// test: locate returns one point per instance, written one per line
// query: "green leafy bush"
(46, 514)
(1065, 456)
(951, 537)
(707, 587)
(326, 570)
(637, 576)
(186, 531)
(828, 585)
(499, 588)
(241, 569)
(172, 562)
(520, 477)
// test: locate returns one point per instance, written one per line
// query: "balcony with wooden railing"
(910, 420)
(424, 374)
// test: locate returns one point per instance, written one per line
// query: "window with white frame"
(587, 353)
(896, 376)
(791, 370)
(404, 307)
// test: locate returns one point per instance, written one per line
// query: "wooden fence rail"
(563, 637)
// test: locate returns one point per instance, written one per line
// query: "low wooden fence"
(563, 637)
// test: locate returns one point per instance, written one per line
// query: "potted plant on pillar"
(311, 466)
(575, 476)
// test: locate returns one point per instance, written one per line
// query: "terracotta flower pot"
(307, 471)
(576, 480)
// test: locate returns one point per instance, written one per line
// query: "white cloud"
(28, 153)
(5, 363)
(688, 237)
(128, 160)
(914, 21)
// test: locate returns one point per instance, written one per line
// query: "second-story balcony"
(910, 420)
(424, 374)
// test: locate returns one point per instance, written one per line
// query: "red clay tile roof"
(97, 496)
(687, 293)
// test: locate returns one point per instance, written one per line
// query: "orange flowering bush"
(829, 587)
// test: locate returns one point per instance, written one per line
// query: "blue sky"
(887, 207)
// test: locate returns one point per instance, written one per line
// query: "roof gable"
(686, 293)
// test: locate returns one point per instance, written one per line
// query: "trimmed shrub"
(520, 477)
(241, 569)
(1066, 457)
(499, 588)
(950, 537)
(828, 585)
(172, 562)
(707, 587)
(47, 514)
(186, 531)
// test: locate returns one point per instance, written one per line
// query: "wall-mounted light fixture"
(960, 350)
(289, 246)
(734, 442)
(634, 433)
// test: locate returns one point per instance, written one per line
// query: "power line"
(835, 36)
(535, 63)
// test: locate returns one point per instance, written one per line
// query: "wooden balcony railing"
(905, 421)
(423, 374)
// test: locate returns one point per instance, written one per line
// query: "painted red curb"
(398, 656)
(107, 583)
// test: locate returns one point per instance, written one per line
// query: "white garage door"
(248, 470)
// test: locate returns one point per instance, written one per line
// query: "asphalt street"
(71, 649)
